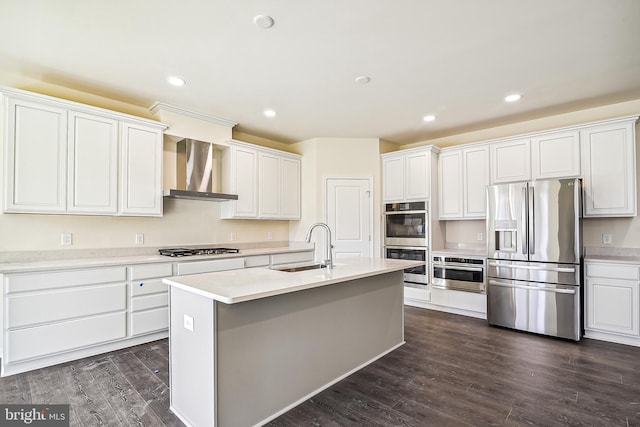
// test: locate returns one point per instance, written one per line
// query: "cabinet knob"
(141, 283)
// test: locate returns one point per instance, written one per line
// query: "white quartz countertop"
(235, 286)
(104, 261)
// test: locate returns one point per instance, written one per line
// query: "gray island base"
(279, 338)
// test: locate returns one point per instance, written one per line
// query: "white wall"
(336, 157)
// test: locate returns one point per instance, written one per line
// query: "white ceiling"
(453, 58)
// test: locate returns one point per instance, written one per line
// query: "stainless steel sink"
(301, 268)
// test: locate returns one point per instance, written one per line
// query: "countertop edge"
(173, 281)
(35, 266)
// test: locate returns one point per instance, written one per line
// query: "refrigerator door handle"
(525, 220)
(530, 267)
(533, 288)
(532, 221)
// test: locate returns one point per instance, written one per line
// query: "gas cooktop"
(177, 252)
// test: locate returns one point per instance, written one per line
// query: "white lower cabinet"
(149, 298)
(612, 302)
(51, 314)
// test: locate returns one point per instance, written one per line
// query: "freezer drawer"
(563, 274)
(535, 307)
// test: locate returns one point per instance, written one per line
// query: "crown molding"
(158, 107)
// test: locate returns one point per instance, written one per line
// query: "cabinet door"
(417, 182)
(613, 305)
(510, 161)
(609, 170)
(291, 188)
(476, 178)
(92, 164)
(269, 185)
(36, 157)
(451, 185)
(556, 155)
(245, 171)
(141, 170)
(393, 179)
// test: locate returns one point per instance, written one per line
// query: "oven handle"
(405, 212)
(530, 267)
(415, 248)
(533, 288)
(456, 267)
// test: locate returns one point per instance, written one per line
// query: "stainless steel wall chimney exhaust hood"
(195, 173)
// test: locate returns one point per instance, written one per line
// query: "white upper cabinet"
(92, 164)
(463, 176)
(476, 178)
(556, 155)
(141, 170)
(269, 182)
(266, 181)
(510, 161)
(291, 188)
(450, 180)
(35, 157)
(407, 175)
(64, 157)
(609, 169)
(393, 172)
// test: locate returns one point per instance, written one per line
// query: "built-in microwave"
(459, 273)
(414, 275)
(405, 224)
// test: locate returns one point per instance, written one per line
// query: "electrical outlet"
(234, 236)
(139, 239)
(479, 236)
(188, 323)
(607, 238)
(66, 239)
(269, 235)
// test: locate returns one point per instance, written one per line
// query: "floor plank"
(453, 371)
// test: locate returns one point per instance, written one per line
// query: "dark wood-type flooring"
(453, 371)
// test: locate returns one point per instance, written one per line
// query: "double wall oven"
(406, 232)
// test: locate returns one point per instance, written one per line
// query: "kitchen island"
(248, 345)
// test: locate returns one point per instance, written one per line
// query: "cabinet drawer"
(64, 336)
(256, 261)
(210, 266)
(145, 271)
(146, 302)
(613, 271)
(51, 306)
(144, 287)
(291, 258)
(63, 279)
(149, 321)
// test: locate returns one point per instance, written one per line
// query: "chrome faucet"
(329, 261)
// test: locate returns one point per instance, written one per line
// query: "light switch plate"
(188, 322)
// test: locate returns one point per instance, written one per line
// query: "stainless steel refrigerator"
(534, 256)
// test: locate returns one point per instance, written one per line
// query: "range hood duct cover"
(195, 171)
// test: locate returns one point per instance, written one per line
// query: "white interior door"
(349, 215)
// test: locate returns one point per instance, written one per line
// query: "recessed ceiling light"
(263, 21)
(513, 97)
(176, 81)
(269, 113)
(429, 118)
(363, 80)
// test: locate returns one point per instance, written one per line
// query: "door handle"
(533, 288)
(532, 222)
(530, 267)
